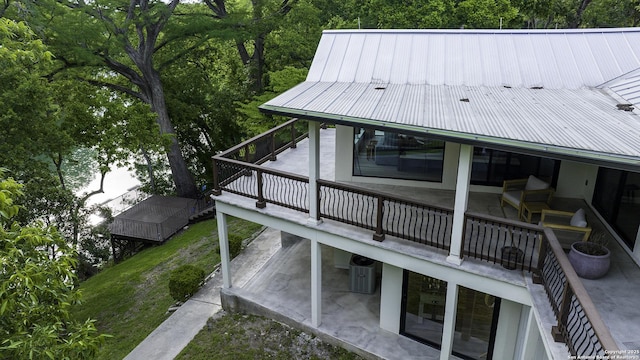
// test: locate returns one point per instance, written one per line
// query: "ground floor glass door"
(422, 319)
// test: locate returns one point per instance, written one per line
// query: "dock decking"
(154, 219)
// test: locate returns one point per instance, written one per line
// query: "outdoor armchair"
(520, 191)
(569, 227)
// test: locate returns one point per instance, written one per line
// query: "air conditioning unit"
(362, 275)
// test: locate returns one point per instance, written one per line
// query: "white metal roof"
(553, 59)
(553, 91)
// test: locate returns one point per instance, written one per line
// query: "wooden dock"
(155, 219)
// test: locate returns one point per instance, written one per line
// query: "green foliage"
(185, 281)
(486, 14)
(130, 299)
(37, 290)
(254, 122)
(235, 245)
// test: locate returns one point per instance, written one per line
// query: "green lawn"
(129, 300)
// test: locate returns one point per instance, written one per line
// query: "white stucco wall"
(576, 180)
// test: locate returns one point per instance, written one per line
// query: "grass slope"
(129, 300)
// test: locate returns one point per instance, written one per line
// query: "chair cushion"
(513, 197)
(533, 183)
(579, 219)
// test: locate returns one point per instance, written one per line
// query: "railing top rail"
(505, 221)
(255, 138)
(365, 191)
(263, 169)
(601, 330)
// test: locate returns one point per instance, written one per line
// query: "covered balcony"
(268, 178)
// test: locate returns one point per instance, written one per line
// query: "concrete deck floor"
(283, 285)
(348, 319)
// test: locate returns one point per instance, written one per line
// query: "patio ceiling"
(540, 92)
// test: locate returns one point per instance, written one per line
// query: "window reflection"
(491, 167)
(393, 155)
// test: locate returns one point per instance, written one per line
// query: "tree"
(264, 17)
(37, 289)
(123, 38)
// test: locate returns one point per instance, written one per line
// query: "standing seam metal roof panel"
(352, 60)
(506, 55)
(425, 74)
(364, 72)
(401, 60)
(323, 52)
(418, 64)
(551, 78)
(569, 73)
(624, 55)
(587, 64)
(527, 62)
(384, 60)
(333, 65)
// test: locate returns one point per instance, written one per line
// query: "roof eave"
(581, 155)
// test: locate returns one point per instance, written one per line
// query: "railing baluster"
(379, 234)
(260, 203)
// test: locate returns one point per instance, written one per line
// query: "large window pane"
(390, 154)
(617, 199)
(491, 167)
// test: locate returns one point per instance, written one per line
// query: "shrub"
(235, 245)
(185, 281)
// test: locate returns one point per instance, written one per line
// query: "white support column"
(531, 339)
(449, 326)
(316, 283)
(507, 330)
(223, 239)
(314, 170)
(460, 205)
(391, 298)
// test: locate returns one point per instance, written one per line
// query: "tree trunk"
(182, 178)
(578, 19)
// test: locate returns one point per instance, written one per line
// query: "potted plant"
(590, 259)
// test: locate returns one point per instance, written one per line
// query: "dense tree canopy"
(37, 289)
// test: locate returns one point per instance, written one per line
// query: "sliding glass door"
(423, 305)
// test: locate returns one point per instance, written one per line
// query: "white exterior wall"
(391, 298)
(344, 145)
(576, 180)
(507, 332)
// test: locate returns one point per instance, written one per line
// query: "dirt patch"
(239, 336)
